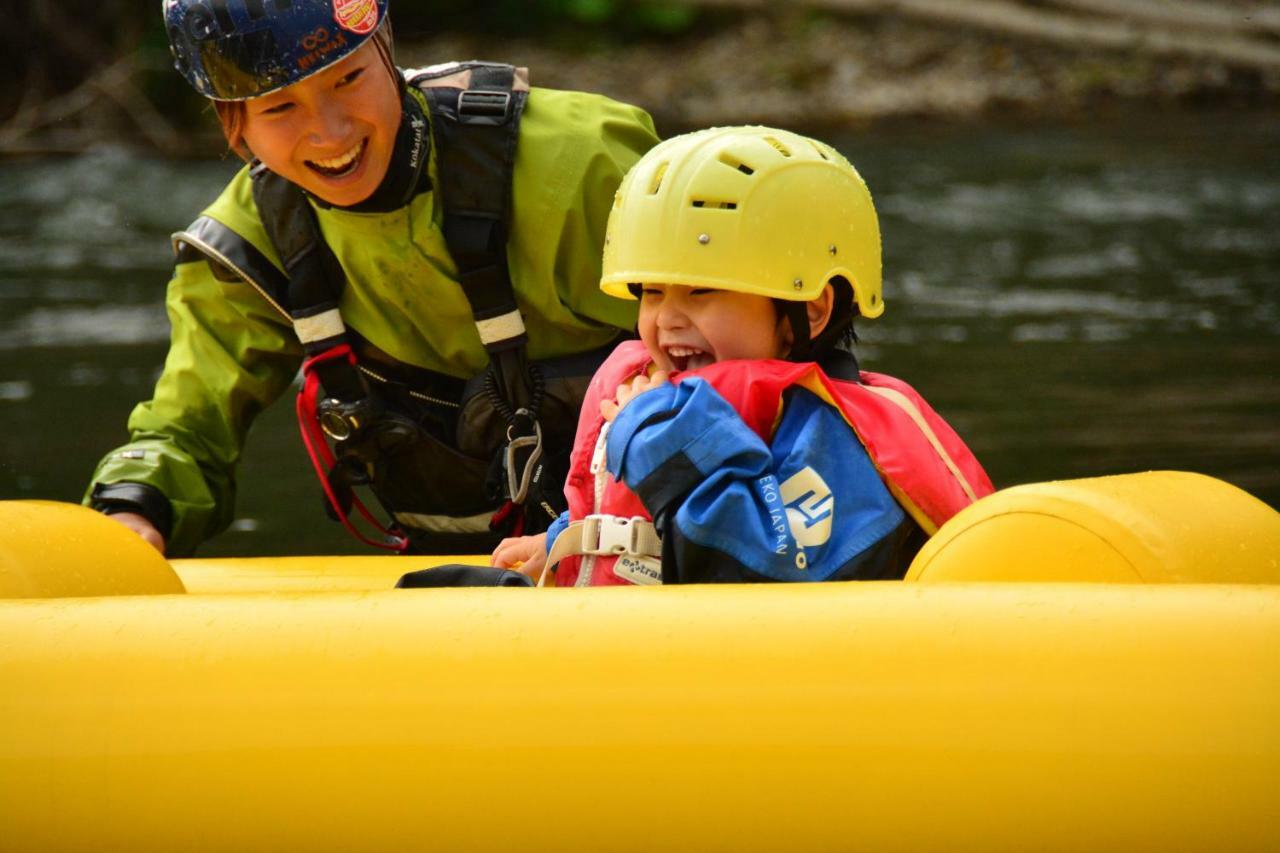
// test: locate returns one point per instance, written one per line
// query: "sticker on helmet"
(318, 45)
(357, 16)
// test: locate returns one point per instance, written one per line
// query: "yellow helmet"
(750, 209)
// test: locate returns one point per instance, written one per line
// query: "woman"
(428, 241)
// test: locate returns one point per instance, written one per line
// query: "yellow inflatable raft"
(1084, 665)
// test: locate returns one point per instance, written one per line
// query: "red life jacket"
(924, 464)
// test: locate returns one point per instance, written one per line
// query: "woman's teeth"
(343, 164)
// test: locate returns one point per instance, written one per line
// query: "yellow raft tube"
(1085, 665)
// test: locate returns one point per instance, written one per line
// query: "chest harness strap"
(475, 108)
(316, 281)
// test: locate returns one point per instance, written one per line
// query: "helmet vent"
(733, 163)
(658, 174)
(782, 149)
(818, 148)
(715, 205)
(226, 24)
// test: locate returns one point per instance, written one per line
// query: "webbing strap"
(476, 129)
(315, 278)
(322, 458)
(607, 535)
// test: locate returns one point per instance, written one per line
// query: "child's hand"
(523, 554)
(628, 391)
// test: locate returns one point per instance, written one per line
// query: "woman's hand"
(139, 525)
(523, 554)
(628, 391)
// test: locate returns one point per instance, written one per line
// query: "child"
(701, 454)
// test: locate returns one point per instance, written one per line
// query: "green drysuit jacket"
(233, 351)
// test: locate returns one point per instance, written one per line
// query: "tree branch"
(1184, 14)
(114, 82)
(1053, 27)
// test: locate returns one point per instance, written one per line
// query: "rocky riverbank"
(807, 64)
(813, 71)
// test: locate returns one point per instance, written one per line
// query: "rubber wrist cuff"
(147, 501)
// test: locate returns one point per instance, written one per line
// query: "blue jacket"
(810, 505)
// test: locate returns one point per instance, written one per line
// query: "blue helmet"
(231, 50)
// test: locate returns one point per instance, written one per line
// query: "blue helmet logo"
(231, 50)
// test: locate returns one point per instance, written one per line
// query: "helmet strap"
(797, 313)
(842, 315)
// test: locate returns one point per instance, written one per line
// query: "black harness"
(475, 111)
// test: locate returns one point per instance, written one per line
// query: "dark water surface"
(1078, 301)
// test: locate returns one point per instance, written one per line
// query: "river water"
(1078, 301)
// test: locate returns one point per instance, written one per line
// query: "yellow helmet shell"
(751, 209)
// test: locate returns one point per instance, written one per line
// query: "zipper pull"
(597, 455)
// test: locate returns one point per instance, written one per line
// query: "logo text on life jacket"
(777, 513)
(644, 571)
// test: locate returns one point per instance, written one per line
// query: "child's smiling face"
(686, 328)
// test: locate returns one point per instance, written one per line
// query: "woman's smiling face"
(333, 133)
(686, 328)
